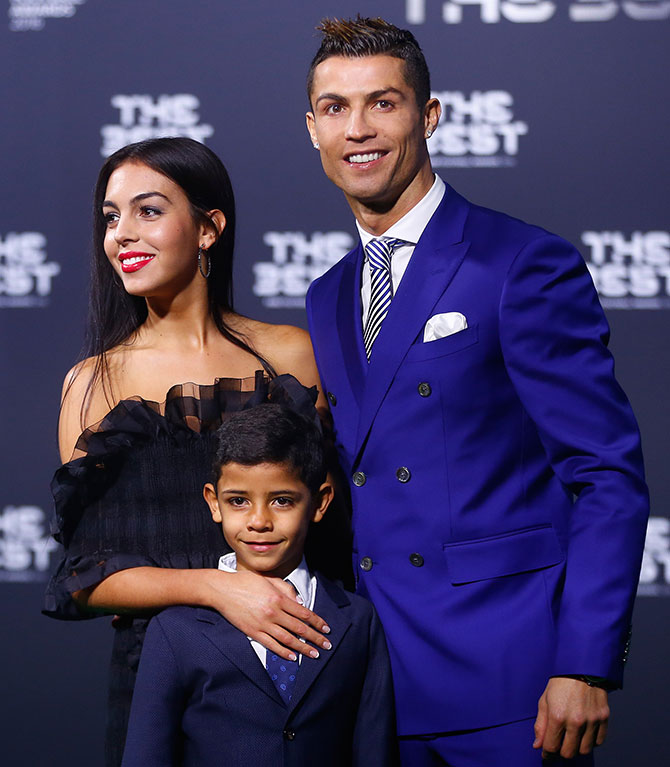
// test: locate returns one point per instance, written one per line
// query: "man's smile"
(366, 158)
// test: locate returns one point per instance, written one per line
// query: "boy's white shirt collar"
(301, 579)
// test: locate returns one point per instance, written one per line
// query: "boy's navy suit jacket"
(203, 697)
(499, 503)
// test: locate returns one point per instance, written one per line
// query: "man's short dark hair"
(354, 38)
(272, 433)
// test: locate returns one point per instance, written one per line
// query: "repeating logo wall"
(630, 271)
(25, 274)
(30, 15)
(297, 260)
(142, 116)
(25, 545)
(538, 11)
(655, 574)
(476, 130)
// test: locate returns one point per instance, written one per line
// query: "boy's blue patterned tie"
(283, 673)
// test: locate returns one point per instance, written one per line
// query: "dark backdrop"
(553, 112)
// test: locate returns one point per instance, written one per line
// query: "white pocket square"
(441, 325)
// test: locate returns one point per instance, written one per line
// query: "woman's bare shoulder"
(282, 345)
(85, 400)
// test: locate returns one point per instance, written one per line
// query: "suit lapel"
(350, 329)
(436, 258)
(238, 650)
(329, 600)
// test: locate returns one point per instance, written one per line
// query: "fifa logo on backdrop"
(476, 130)
(25, 274)
(630, 271)
(537, 11)
(297, 260)
(142, 117)
(25, 545)
(30, 15)
(655, 573)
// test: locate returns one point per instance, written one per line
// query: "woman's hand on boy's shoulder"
(266, 610)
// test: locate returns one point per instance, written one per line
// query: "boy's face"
(265, 511)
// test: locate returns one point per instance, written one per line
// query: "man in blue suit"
(499, 504)
(206, 695)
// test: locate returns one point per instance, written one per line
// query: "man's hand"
(266, 610)
(571, 718)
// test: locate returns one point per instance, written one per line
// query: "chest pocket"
(443, 346)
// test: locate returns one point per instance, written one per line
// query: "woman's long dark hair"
(113, 314)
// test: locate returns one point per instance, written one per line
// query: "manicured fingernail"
(292, 657)
(314, 653)
(326, 645)
(325, 629)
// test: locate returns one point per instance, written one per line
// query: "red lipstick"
(133, 261)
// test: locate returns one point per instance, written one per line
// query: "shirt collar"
(300, 578)
(410, 227)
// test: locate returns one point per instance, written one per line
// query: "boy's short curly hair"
(272, 433)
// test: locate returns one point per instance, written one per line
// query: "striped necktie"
(379, 254)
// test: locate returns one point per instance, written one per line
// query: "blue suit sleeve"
(375, 742)
(554, 340)
(154, 728)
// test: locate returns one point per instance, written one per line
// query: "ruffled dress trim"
(135, 422)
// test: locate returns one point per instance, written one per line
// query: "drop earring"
(201, 252)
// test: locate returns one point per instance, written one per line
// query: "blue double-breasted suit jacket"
(499, 504)
(203, 698)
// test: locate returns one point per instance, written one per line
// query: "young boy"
(206, 694)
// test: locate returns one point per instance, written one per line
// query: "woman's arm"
(262, 608)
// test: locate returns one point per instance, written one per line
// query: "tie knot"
(380, 250)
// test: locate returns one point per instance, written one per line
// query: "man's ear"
(431, 116)
(311, 129)
(324, 496)
(209, 494)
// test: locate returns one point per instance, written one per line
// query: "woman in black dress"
(165, 359)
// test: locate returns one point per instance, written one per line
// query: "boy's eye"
(237, 501)
(283, 502)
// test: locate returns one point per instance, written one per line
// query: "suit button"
(289, 734)
(366, 564)
(416, 560)
(403, 474)
(359, 478)
(332, 398)
(424, 389)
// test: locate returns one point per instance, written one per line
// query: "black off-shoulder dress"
(135, 499)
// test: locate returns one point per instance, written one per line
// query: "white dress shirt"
(301, 580)
(409, 228)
